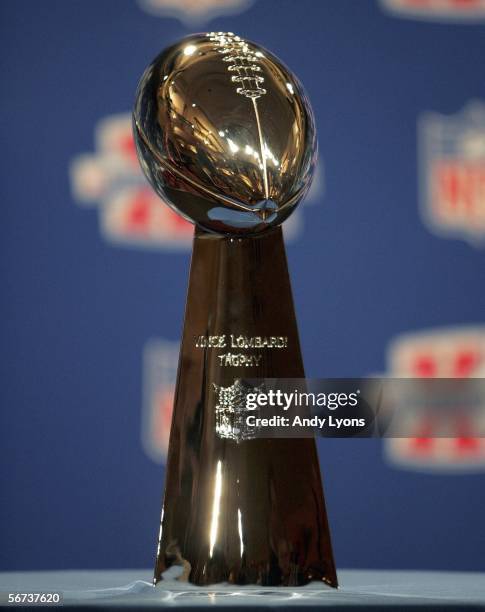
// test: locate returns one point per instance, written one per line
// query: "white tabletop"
(132, 589)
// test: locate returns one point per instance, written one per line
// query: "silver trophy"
(226, 136)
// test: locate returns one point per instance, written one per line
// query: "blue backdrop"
(386, 258)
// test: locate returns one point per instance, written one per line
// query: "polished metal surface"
(236, 508)
(225, 133)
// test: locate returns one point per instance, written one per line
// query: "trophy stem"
(236, 509)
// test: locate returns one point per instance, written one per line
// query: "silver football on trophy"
(225, 133)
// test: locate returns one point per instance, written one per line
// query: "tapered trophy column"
(226, 136)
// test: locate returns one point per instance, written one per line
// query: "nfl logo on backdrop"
(194, 12)
(439, 10)
(130, 213)
(456, 352)
(160, 360)
(452, 173)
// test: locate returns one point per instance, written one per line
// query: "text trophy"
(225, 135)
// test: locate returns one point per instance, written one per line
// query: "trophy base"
(236, 509)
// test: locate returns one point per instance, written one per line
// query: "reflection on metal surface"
(240, 530)
(216, 508)
(225, 133)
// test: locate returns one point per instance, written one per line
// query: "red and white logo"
(160, 360)
(194, 12)
(452, 167)
(444, 353)
(130, 212)
(439, 10)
